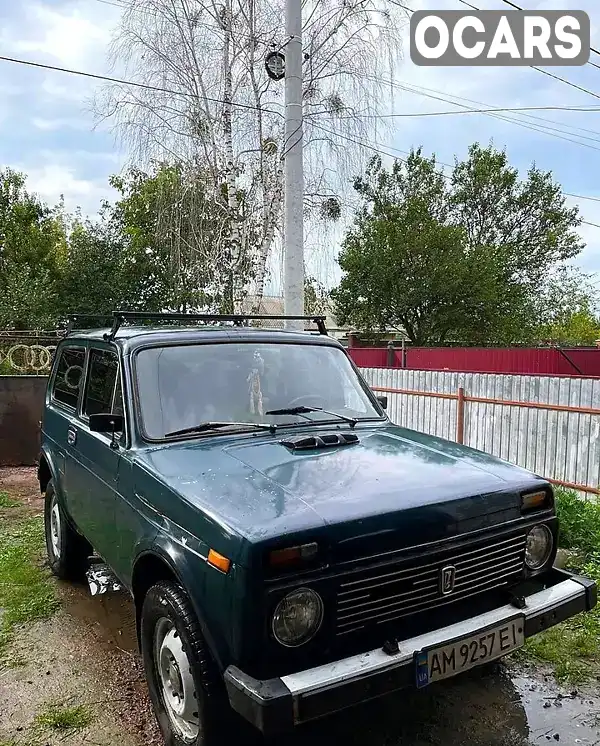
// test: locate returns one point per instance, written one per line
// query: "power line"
(120, 81)
(585, 109)
(488, 111)
(250, 107)
(582, 196)
(369, 147)
(119, 4)
(377, 148)
(441, 97)
(527, 125)
(535, 128)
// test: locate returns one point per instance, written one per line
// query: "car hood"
(393, 480)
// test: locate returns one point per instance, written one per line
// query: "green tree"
(31, 242)
(316, 297)
(457, 259)
(97, 274)
(569, 309)
(179, 235)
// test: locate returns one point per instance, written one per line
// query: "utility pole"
(293, 261)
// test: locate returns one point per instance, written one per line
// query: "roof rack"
(119, 317)
(73, 318)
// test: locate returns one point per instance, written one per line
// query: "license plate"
(444, 661)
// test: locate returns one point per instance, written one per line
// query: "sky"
(48, 129)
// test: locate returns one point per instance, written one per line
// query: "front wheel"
(186, 692)
(67, 550)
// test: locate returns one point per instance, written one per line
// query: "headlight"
(297, 617)
(539, 547)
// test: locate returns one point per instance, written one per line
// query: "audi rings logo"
(28, 358)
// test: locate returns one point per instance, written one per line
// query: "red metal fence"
(555, 361)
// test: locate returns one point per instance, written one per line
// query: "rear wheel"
(67, 551)
(185, 688)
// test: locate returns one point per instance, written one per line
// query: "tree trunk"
(236, 247)
(271, 217)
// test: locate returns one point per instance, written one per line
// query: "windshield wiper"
(303, 410)
(205, 426)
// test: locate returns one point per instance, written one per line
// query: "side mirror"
(382, 401)
(108, 423)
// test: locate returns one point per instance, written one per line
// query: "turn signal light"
(534, 500)
(290, 555)
(217, 560)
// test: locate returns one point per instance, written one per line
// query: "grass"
(58, 718)
(6, 501)
(573, 647)
(579, 523)
(26, 591)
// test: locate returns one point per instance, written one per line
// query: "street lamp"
(275, 65)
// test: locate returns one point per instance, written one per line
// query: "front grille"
(383, 594)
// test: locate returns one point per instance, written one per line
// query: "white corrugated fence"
(558, 444)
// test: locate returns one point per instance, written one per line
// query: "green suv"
(290, 551)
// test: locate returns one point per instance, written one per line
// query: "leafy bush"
(579, 522)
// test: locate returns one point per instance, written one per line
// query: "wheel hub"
(55, 527)
(176, 681)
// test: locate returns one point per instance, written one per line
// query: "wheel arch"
(156, 564)
(47, 471)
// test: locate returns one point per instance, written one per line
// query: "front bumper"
(278, 704)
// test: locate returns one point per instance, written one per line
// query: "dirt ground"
(86, 654)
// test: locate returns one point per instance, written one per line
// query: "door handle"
(71, 436)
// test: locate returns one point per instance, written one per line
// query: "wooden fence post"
(460, 416)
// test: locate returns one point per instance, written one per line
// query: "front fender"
(206, 587)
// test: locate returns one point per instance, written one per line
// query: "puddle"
(555, 714)
(112, 614)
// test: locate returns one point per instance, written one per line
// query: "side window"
(101, 391)
(69, 376)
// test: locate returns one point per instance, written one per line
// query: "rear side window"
(103, 393)
(69, 376)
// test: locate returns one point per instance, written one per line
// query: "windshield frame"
(139, 420)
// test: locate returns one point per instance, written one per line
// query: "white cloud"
(51, 125)
(74, 35)
(51, 181)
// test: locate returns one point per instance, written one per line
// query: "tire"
(67, 551)
(191, 707)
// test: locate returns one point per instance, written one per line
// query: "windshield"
(185, 385)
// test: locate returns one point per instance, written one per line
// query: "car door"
(60, 419)
(98, 454)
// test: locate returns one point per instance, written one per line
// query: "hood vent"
(311, 442)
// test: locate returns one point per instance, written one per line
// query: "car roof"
(133, 337)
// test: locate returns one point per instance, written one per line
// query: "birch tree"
(211, 105)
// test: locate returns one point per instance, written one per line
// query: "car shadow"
(480, 708)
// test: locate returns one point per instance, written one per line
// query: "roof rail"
(119, 317)
(73, 318)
